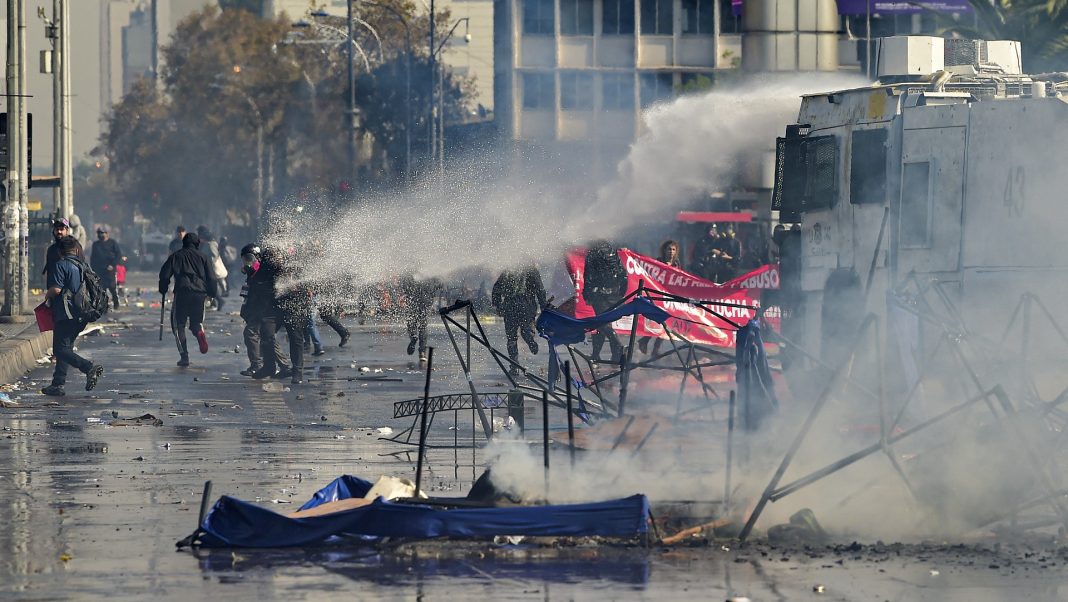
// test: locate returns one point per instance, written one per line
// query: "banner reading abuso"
(693, 323)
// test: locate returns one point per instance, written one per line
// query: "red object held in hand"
(44, 317)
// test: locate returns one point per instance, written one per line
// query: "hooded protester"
(264, 351)
(605, 283)
(176, 242)
(193, 284)
(78, 231)
(252, 314)
(104, 259)
(518, 295)
(420, 295)
(210, 248)
(290, 309)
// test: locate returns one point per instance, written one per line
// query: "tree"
(1041, 25)
(238, 97)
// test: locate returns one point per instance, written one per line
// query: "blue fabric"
(67, 275)
(756, 391)
(560, 329)
(234, 523)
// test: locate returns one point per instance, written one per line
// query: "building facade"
(581, 70)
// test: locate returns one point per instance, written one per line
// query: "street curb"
(19, 353)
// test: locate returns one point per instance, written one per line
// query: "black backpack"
(90, 303)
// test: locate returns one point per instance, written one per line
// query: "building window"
(698, 17)
(539, 91)
(576, 90)
(656, 17)
(538, 17)
(617, 91)
(656, 87)
(915, 226)
(576, 17)
(618, 17)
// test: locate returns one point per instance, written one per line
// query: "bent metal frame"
(600, 379)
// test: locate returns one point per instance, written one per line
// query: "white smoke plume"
(475, 217)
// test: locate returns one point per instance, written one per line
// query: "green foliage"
(189, 145)
(1041, 25)
(701, 83)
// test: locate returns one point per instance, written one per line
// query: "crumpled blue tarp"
(756, 390)
(560, 329)
(234, 523)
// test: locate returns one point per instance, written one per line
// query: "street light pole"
(433, 86)
(62, 161)
(66, 178)
(352, 99)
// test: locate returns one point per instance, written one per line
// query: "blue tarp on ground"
(234, 523)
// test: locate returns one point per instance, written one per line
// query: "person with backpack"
(518, 295)
(210, 249)
(76, 297)
(194, 282)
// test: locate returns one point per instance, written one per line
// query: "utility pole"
(66, 178)
(433, 87)
(352, 100)
(62, 161)
(15, 215)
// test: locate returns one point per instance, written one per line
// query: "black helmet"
(251, 249)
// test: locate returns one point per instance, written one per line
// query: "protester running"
(65, 280)
(194, 282)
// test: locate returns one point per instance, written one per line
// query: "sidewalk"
(20, 346)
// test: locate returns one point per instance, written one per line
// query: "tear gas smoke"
(491, 213)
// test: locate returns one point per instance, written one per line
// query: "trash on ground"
(803, 528)
(142, 420)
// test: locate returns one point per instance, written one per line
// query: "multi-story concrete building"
(577, 70)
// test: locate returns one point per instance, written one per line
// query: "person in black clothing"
(330, 314)
(670, 254)
(605, 283)
(105, 257)
(419, 296)
(330, 309)
(176, 242)
(731, 254)
(64, 280)
(60, 229)
(193, 283)
(269, 360)
(251, 313)
(290, 308)
(518, 295)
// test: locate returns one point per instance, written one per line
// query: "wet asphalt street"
(91, 511)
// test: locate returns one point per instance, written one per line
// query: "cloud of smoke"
(491, 213)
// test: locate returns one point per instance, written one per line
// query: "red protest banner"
(692, 322)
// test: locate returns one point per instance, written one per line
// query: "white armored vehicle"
(950, 170)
